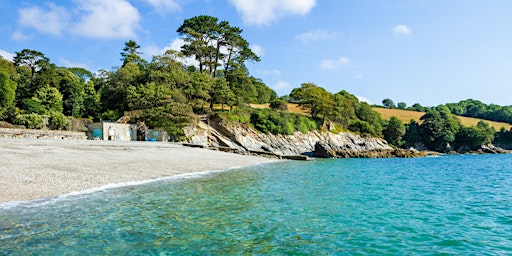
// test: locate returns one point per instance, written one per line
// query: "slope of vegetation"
(167, 93)
(407, 115)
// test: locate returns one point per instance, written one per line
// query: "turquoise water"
(444, 205)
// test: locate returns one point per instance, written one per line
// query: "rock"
(243, 139)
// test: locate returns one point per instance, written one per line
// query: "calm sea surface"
(443, 205)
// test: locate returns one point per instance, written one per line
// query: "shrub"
(57, 121)
(279, 104)
(31, 121)
(270, 121)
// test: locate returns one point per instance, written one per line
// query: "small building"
(124, 132)
(112, 131)
(156, 135)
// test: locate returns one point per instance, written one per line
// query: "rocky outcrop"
(243, 139)
(325, 149)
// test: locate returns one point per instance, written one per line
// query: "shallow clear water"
(451, 204)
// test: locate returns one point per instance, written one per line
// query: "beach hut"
(112, 131)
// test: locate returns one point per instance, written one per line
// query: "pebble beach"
(35, 168)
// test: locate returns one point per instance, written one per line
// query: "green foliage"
(110, 115)
(317, 99)
(503, 138)
(73, 92)
(279, 104)
(345, 105)
(247, 88)
(91, 101)
(401, 105)
(366, 114)
(418, 107)
(214, 43)
(388, 103)
(7, 91)
(171, 117)
(439, 129)
(412, 134)
(221, 94)
(238, 116)
(32, 59)
(114, 91)
(394, 132)
(57, 121)
(477, 109)
(270, 121)
(45, 100)
(472, 138)
(30, 121)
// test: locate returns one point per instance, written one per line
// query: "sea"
(445, 205)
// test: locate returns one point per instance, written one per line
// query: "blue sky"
(416, 51)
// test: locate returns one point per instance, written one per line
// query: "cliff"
(241, 138)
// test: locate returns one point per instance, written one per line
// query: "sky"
(414, 51)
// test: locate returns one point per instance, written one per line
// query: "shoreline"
(32, 169)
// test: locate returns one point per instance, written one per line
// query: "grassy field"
(403, 115)
(294, 108)
(406, 116)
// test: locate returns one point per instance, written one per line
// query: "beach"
(35, 168)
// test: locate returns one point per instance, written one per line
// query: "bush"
(270, 121)
(31, 121)
(110, 115)
(279, 104)
(57, 121)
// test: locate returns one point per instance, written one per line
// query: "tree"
(412, 134)
(365, 113)
(317, 99)
(418, 107)
(394, 132)
(114, 90)
(8, 79)
(33, 59)
(345, 105)
(130, 53)
(388, 103)
(402, 105)
(279, 104)
(439, 129)
(73, 92)
(221, 94)
(214, 43)
(45, 100)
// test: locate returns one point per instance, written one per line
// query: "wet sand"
(33, 169)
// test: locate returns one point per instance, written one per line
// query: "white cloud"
(163, 6)
(152, 50)
(281, 86)
(258, 50)
(359, 77)
(363, 99)
(6, 55)
(334, 64)
(51, 20)
(19, 36)
(71, 64)
(271, 72)
(316, 35)
(402, 30)
(176, 44)
(264, 12)
(107, 19)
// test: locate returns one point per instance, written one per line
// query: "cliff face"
(243, 138)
